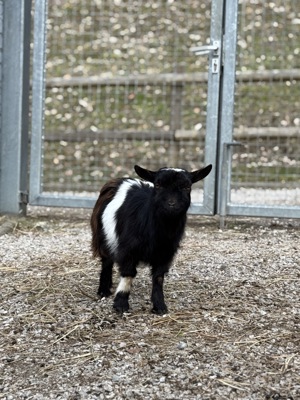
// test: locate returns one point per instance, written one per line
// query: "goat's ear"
(145, 173)
(200, 173)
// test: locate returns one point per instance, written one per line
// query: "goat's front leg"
(127, 272)
(157, 297)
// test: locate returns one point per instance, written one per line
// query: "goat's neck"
(171, 225)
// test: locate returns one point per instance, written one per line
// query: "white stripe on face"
(125, 284)
(109, 215)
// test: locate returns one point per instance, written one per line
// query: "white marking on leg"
(125, 284)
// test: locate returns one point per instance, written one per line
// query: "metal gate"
(259, 170)
(136, 89)
(124, 83)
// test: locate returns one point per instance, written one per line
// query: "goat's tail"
(107, 193)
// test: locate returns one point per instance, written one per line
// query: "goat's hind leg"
(105, 283)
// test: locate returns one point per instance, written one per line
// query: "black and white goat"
(141, 221)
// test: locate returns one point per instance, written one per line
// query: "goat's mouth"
(173, 209)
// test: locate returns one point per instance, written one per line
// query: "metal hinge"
(23, 197)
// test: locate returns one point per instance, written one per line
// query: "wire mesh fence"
(267, 119)
(122, 88)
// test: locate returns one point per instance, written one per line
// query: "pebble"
(181, 345)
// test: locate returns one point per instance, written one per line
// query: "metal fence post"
(227, 107)
(213, 103)
(38, 98)
(214, 50)
(15, 106)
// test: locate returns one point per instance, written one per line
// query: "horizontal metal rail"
(63, 200)
(272, 75)
(244, 133)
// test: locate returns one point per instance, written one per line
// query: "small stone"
(107, 387)
(181, 345)
(116, 378)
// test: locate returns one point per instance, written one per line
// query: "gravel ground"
(232, 331)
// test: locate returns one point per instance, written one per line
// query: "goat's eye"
(157, 186)
(187, 188)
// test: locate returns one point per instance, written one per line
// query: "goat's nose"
(172, 202)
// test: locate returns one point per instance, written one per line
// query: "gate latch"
(214, 50)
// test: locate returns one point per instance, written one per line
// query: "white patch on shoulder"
(124, 284)
(109, 215)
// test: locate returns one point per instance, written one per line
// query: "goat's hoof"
(104, 293)
(121, 304)
(160, 310)
(121, 310)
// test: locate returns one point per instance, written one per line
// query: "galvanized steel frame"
(226, 143)
(14, 105)
(219, 126)
(38, 100)
(37, 196)
(212, 120)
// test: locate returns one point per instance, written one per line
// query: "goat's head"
(172, 187)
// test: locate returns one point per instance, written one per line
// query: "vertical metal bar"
(15, 106)
(224, 178)
(227, 105)
(38, 98)
(176, 120)
(225, 184)
(212, 122)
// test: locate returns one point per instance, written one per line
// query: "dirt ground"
(232, 332)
